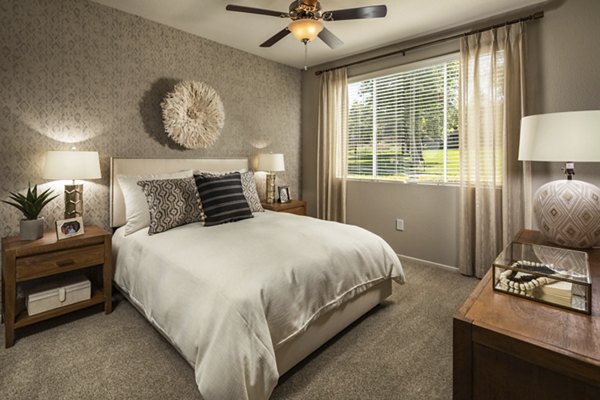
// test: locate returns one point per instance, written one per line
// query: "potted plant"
(31, 204)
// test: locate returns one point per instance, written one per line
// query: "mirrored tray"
(546, 274)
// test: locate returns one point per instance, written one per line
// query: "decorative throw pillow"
(250, 192)
(248, 187)
(222, 198)
(171, 203)
(137, 215)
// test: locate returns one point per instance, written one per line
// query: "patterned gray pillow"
(250, 192)
(248, 187)
(171, 202)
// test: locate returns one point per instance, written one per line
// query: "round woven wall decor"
(193, 114)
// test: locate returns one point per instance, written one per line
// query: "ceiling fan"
(306, 16)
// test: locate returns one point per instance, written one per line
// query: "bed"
(244, 302)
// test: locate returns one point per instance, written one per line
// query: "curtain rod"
(531, 17)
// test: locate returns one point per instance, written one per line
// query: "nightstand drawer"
(59, 261)
(297, 207)
(296, 210)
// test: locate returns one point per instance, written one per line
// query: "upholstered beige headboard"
(145, 166)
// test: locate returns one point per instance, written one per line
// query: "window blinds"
(404, 126)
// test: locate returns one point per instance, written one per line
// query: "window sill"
(389, 181)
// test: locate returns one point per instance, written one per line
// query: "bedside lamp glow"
(567, 211)
(72, 165)
(270, 163)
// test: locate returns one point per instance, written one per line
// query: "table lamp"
(72, 165)
(567, 211)
(270, 163)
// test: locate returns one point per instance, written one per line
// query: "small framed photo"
(284, 194)
(66, 228)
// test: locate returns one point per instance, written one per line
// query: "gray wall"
(78, 73)
(563, 74)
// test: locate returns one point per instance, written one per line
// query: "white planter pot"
(32, 229)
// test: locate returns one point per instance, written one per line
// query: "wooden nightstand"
(26, 260)
(506, 347)
(293, 207)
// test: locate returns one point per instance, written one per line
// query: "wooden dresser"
(506, 347)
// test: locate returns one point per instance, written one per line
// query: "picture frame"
(284, 194)
(66, 228)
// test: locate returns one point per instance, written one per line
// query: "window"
(404, 126)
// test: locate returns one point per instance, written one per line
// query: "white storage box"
(58, 293)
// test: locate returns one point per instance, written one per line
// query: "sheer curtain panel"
(492, 187)
(332, 144)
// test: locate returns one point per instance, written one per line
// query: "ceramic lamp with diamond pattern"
(567, 211)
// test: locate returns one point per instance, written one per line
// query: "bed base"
(328, 325)
(318, 333)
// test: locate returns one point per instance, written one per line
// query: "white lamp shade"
(72, 165)
(566, 136)
(270, 162)
(305, 29)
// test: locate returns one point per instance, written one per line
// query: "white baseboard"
(429, 263)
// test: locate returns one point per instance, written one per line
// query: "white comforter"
(228, 295)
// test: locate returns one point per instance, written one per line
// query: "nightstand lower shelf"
(24, 319)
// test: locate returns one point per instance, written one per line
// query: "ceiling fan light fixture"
(305, 29)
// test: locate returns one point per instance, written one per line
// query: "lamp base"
(73, 201)
(567, 213)
(270, 188)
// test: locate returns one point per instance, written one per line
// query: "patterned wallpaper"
(76, 73)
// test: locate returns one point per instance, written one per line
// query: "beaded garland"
(535, 267)
(525, 283)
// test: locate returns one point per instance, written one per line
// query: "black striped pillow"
(222, 198)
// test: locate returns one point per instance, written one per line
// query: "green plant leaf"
(29, 196)
(16, 205)
(18, 197)
(30, 204)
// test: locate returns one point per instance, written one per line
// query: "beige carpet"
(401, 350)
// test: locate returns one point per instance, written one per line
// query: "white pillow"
(137, 214)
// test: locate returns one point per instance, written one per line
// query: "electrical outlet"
(400, 224)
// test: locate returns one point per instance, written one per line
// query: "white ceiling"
(405, 19)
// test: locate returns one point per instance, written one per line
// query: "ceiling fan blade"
(276, 38)
(252, 10)
(356, 13)
(330, 39)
